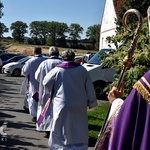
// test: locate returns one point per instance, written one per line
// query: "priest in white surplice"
(29, 70)
(42, 70)
(73, 91)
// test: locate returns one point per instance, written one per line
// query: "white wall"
(108, 25)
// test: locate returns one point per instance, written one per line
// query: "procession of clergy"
(58, 92)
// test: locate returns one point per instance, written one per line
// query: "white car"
(100, 76)
(14, 68)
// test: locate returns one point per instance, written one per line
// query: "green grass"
(96, 119)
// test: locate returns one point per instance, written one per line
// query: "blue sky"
(84, 12)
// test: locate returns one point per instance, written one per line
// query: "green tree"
(52, 32)
(19, 29)
(140, 5)
(34, 32)
(38, 31)
(1, 7)
(62, 30)
(3, 28)
(141, 58)
(74, 34)
(43, 31)
(93, 33)
(57, 33)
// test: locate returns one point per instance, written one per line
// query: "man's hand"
(115, 93)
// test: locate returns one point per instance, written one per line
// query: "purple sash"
(68, 64)
(43, 113)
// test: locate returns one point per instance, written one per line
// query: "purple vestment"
(132, 127)
(129, 126)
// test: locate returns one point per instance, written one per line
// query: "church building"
(108, 25)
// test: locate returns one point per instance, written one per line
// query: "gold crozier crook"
(128, 59)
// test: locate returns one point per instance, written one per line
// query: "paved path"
(17, 131)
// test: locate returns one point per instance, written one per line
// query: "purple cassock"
(132, 126)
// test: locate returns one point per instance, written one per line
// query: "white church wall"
(108, 25)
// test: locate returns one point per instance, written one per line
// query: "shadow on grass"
(94, 127)
(92, 142)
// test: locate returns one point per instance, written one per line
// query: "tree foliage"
(62, 30)
(140, 5)
(3, 28)
(19, 29)
(141, 58)
(93, 35)
(48, 33)
(51, 33)
(1, 7)
(38, 31)
(74, 33)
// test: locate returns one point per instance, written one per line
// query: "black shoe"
(26, 109)
(34, 119)
(47, 133)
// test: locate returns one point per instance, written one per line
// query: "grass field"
(28, 49)
(96, 119)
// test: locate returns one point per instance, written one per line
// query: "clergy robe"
(29, 70)
(42, 70)
(73, 91)
(132, 126)
(129, 126)
(105, 136)
(24, 90)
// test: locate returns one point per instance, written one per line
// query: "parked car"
(81, 59)
(2, 50)
(6, 56)
(14, 68)
(100, 76)
(87, 57)
(13, 59)
(78, 59)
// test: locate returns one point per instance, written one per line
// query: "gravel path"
(17, 131)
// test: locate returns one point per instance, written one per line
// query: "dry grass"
(28, 50)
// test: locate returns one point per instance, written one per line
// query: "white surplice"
(73, 92)
(42, 70)
(29, 70)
